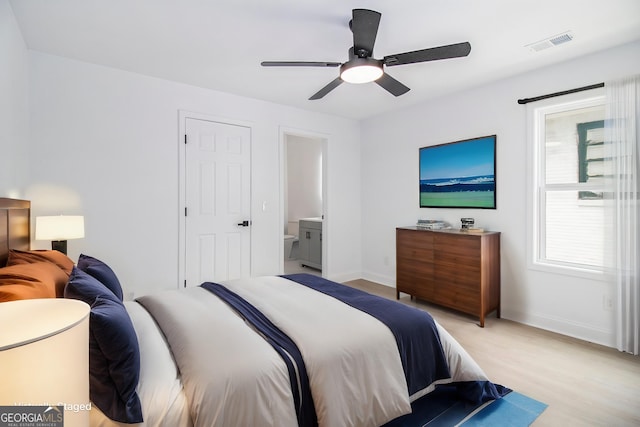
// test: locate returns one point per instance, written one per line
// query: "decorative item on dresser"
(452, 268)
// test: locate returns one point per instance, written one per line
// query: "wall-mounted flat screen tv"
(460, 174)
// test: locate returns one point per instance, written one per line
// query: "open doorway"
(303, 204)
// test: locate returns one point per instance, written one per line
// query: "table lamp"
(44, 361)
(59, 229)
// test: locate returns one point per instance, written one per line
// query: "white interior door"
(217, 201)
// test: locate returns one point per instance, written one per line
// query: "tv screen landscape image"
(460, 174)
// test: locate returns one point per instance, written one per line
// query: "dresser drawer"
(459, 244)
(412, 252)
(467, 302)
(460, 279)
(422, 286)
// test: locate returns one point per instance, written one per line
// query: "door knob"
(244, 223)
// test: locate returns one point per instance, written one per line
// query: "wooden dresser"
(452, 268)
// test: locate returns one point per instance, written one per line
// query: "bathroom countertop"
(316, 219)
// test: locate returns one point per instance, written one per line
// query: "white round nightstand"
(44, 359)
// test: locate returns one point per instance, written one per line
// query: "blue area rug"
(443, 408)
(513, 410)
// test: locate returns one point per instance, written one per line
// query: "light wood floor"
(584, 384)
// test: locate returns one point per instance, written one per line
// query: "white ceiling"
(219, 44)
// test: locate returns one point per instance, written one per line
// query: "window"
(568, 183)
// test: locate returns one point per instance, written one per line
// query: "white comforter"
(232, 377)
(354, 368)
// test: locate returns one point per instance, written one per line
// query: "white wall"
(105, 144)
(566, 304)
(14, 114)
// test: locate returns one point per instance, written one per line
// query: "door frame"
(183, 115)
(324, 138)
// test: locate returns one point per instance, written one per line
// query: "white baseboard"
(345, 277)
(561, 326)
(378, 278)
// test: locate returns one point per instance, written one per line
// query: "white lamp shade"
(44, 356)
(60, 227)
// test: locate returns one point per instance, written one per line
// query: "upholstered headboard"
(15, 226)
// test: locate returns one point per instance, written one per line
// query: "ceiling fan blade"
(364, 26)
(432, 54)
(299, 64)
(328, 88)
(392, 85)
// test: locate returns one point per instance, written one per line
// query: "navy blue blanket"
(286, 348)
(416, 335)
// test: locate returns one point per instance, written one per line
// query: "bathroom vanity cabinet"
(310, 242)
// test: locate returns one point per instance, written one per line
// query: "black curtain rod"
(564, 92)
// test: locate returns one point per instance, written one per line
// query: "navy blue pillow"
(102, 272)
(114, 362)
(86, 288)
(114, 355)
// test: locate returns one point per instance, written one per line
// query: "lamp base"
(59, 245)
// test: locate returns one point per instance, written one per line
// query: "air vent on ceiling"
(552, 41)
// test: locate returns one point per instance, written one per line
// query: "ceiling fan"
(362, 68)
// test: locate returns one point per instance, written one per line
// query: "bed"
(262, 351)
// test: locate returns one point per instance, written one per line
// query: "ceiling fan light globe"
(361, 70)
